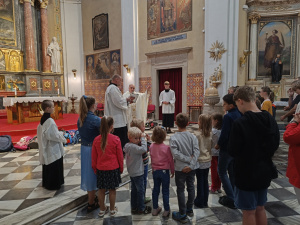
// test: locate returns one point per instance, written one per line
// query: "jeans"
(202, 187)
(137, 193)
(215, 179)
(145, 177)
(226, 164)
(161, 177)
(180, 179)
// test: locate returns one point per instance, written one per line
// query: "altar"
(28, 109)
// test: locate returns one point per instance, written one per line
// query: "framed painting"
(100, 31)
(7, 23)
(276, 36)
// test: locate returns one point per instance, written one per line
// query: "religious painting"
(166, 17)
(103, 65)
(15, 82)
(100, 31)
(7, 23)
(276, 38)
(2, 61)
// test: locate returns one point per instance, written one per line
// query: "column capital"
(254, 17)
(44, 4)
(30, 1)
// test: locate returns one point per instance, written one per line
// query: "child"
(162, 162)
(140, 124)
(266, 105)
(225, 162)
(185, 151)
(135, 167)
(107, 163)
(217, 120)
(51, 149)
(254, 138)
(205, 144)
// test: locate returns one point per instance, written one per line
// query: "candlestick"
(58, 92)
(15, 92)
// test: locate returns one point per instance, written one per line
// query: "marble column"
(45, 42)
(253, 46)
(29, 40)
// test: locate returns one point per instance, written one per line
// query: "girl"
(216, 131)
(88, 126)
(162, 162)
(107, 163)
(266, 92)
(205, 145)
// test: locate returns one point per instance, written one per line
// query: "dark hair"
(269, 92)
(245, 93)
(205, 125)
(46, 104)
(258, 104)
(229, 99)
(106, 123)
(219, 118)
(182, 120)
(85, 104)
(159, 135)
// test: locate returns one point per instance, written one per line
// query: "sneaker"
(181, 218)
(190, 212)
(227, 202)
(147, 210)
(147, 199)
(134, 211)
(166, 213)
(155, 212)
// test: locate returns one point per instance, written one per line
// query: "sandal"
(114, 212)
(102, 213)
(92, 207)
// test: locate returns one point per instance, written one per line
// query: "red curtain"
(174, 76)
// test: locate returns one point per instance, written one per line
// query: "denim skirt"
(88, 177)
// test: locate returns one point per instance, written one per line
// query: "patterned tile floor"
(20, 187)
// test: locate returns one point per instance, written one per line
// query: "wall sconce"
(127, 68)
(74, 72)
(244, 57)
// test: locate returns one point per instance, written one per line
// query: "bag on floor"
(23, 143)
(33, 144)
(6, 144)
(76, 138)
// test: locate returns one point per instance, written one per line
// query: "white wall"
(72, 46)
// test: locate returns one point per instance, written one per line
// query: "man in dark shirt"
(289, 114)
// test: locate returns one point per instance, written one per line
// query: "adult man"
(167, 101)
(137, 109)
(116, 106)
(276, 69)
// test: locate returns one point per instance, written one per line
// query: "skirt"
(53, 175)
(168, 120)
(88, 177)
(108, 179)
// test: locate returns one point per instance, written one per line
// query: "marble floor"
(20, 187)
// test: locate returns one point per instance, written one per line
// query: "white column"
(253, 46)
(129, 10)
(224, 29)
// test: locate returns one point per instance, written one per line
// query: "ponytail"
(106, 123)
(85, 104)
(271, 96)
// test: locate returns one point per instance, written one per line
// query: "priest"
(167, 101)
(137, 109)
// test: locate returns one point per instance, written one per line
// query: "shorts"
(249, 200)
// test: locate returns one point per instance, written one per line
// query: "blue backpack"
(6, 144)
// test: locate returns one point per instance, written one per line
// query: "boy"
(51, 149)
(253, 140)
(185, 150)
(135, 168)
(225, 162)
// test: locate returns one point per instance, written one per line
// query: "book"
(134, 97)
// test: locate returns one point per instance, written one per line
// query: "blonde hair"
(159, 135)
(137, 123)
(205, 125)
(134, 132)
(85, 104)
(106, 123)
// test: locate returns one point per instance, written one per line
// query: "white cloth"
(167, 97)
(115, 106)
(10, 101)
(50, 142)
(137, 110)
(54, 51)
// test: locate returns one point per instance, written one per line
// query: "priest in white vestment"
(138, 108)
(167, 101)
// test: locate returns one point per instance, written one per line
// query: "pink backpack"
(23, 143)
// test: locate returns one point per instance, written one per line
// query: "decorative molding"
(44, 4)
(254, 17)
(173, 51)
(270, 2)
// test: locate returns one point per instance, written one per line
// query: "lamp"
(127, 68)
(243, 58)
(74, 72)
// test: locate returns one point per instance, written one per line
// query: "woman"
(266, 105)
(89, 127)
(292, 137)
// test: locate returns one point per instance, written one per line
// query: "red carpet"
(17, 131)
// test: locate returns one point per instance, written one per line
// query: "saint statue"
(276, 69)
(273, 47)
(54, 51)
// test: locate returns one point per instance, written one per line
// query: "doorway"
(174, 76)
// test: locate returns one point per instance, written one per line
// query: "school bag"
(23, 143)
(6, 144)
(33, 144)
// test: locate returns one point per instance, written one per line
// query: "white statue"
(54, 51)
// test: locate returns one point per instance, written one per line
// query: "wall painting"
(100, 31)
(7, 23)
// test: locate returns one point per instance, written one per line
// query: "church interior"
(60, 50)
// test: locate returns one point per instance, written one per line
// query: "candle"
(15, 91)
(58, 91)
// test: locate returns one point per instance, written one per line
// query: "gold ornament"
(217, 50)
(47, 84)
(33, 84)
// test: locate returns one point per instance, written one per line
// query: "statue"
(54, 51)
(216, 78)
(276, 69)
(14, 83)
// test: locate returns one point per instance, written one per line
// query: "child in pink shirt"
(162, 162)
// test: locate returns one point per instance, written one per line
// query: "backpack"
(68, 137)
(23, 143)
(6, 144)
(76, 137)
(33, 144)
